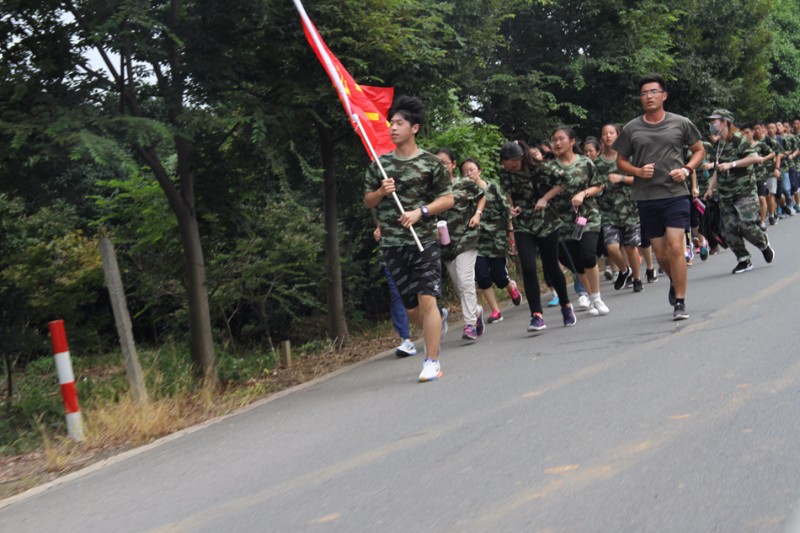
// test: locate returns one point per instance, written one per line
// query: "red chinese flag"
(369, 104)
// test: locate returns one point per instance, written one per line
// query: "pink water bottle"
(580, 225)
(444, 234)
(701, 207)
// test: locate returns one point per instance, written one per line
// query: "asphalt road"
(628, 422)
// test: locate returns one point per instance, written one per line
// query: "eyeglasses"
(651, 92)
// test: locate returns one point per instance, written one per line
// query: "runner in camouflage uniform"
(529, 186)
(490, 266)
(761, 171)
(463, 224)
(621, 229)
(421, 183)
(578, 200)
(736, 185)
(773, 142)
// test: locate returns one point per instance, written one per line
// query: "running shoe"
(769, 254)
(480, 326)
(537, 323)
(554, 301)
(584, 302)
(495, 317)
(431, 370)
(622, 277)
(771, 220)
(704, 251)
(445, 315)
(679, 312)
(513, 292)
(600, 307)
(652, 277)
(637, 285)
(569, 315)
(609, 273)
(406, 349)
(742, 266)
(470, 333)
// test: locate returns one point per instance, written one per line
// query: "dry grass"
(114, 427)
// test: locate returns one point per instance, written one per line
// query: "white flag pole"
(331, 70)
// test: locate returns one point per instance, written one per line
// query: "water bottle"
(580, 225)
(699, 205)
(444, 234)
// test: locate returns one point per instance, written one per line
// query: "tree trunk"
(337, 323)
(201, 339)
(9, 378)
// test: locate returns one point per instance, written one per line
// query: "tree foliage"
(202, 129)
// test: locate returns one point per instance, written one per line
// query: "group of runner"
(639, 187)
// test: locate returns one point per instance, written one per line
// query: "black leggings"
(547, 246)
(581, 254)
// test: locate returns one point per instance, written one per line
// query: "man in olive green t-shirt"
(650, 148)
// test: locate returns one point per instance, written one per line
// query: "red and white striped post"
(66, 378)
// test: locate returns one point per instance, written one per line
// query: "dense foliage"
(217, 114)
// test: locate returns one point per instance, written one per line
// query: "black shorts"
(415, 272)
(658, 215)
(761, 188)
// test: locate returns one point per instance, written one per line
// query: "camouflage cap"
(722, 114)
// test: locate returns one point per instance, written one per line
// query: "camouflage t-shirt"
(790, 143)
(581, 175)
(615, 203)
(419, 180)
(525, 187)
(762, 171)
(462, 238)
(774, 148)
(493, 240)
(737, 182)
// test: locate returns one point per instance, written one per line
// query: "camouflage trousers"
(740, 218)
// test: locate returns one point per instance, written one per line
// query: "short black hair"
(653, 78)
(410, 107)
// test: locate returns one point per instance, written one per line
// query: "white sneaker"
(600, 307)
(406, 349)
(431, 370)
(584, 302)
(593, 311)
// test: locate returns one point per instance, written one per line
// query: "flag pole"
(365, 137)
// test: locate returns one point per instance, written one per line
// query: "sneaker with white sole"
(679, 312)
(406, 349)
(622, 277)
(537, 323)
(569, 315)
(769, 254)
(513, 292)
(470, 333)
(601, 307)
(431, 370)
(584, 302)
(742, 266)
(495, 317)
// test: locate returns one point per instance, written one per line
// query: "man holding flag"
(419, 180)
